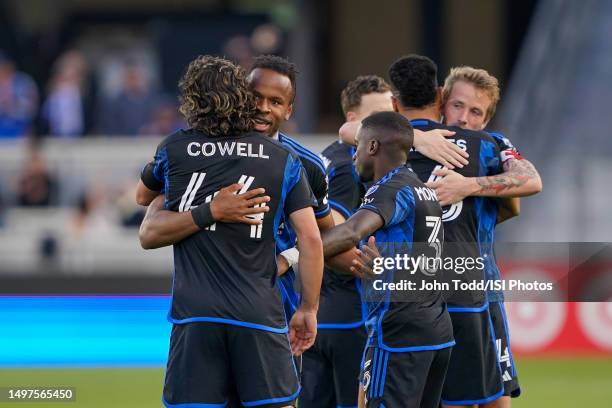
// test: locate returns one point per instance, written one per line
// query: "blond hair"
(480, 78)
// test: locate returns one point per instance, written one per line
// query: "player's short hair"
(350, 98)
(215, 98)
(392, 124)
(479, 78)
(279, 65)
(414, 80)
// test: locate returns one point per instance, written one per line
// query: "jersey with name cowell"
(226, 273)
(315, 174)
(340, 305)
(403, 317)
(469, 225)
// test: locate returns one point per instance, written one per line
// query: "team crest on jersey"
(372, 190)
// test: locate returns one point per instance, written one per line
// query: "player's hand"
(434, 145)
(452, 187)
(228, 206)
(363, 265)
(348, 131)
(302, 330)
(282, 265)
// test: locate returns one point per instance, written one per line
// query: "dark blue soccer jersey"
(469, 225)
(340, 305)
(412, 227)
(227, 272)
(315, 174)
(507, 151)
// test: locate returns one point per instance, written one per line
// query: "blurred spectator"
(130, 213)
(130, 110)
(36, 185)
(18, 100)
(238, 49)
(164, 120)
(66, 111)
(95, 215)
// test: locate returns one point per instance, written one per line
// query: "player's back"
(227, 272)
(340, 305)
(468, 222)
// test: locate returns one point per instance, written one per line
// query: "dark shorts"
(227, 365)
(504, 353)
(475, 374)
(330, 369)
(403, 379)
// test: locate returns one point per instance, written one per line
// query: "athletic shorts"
(504, 353)
(330, 369)
(221, 364)
(403, 379)
(474, 374)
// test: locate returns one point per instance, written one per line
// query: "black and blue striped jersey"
(227, 272)
(340, 305)
(406, 319)
(507, 151)
(469, 225)
(315, 174)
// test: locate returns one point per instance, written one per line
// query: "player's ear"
(350, 116)
(373, 147)
(395, 103)
(289, 111)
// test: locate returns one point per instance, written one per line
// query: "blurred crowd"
(71, 105)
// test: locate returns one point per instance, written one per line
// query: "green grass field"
(557, 383)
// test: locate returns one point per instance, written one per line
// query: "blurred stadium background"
(87, 89)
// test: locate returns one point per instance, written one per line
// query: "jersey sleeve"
(507, 150)
(344, 190)
(149, 179)
(393, 205)
(318, 181)
(160, 165)
(298, 192)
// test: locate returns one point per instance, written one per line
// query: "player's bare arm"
(303, 325)
(519, 179)
(144, 195)
(288, 258)
(508, 207)
(339, 243)
(432, 144)
(162, 227)
(148, 186)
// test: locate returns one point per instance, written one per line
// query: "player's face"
(372, 103)
(363, 160)
(273, 94)
(466, 107)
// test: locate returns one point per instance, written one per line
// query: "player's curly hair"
(414, 79)
(214, 97)
(350, 98)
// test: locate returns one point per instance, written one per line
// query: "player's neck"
(382, 167)
(431, 112)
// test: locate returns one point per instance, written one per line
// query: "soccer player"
(469, 226)
(409, 342)
(469, 100)
(229, 331)
(273, 82)
(330, 368)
